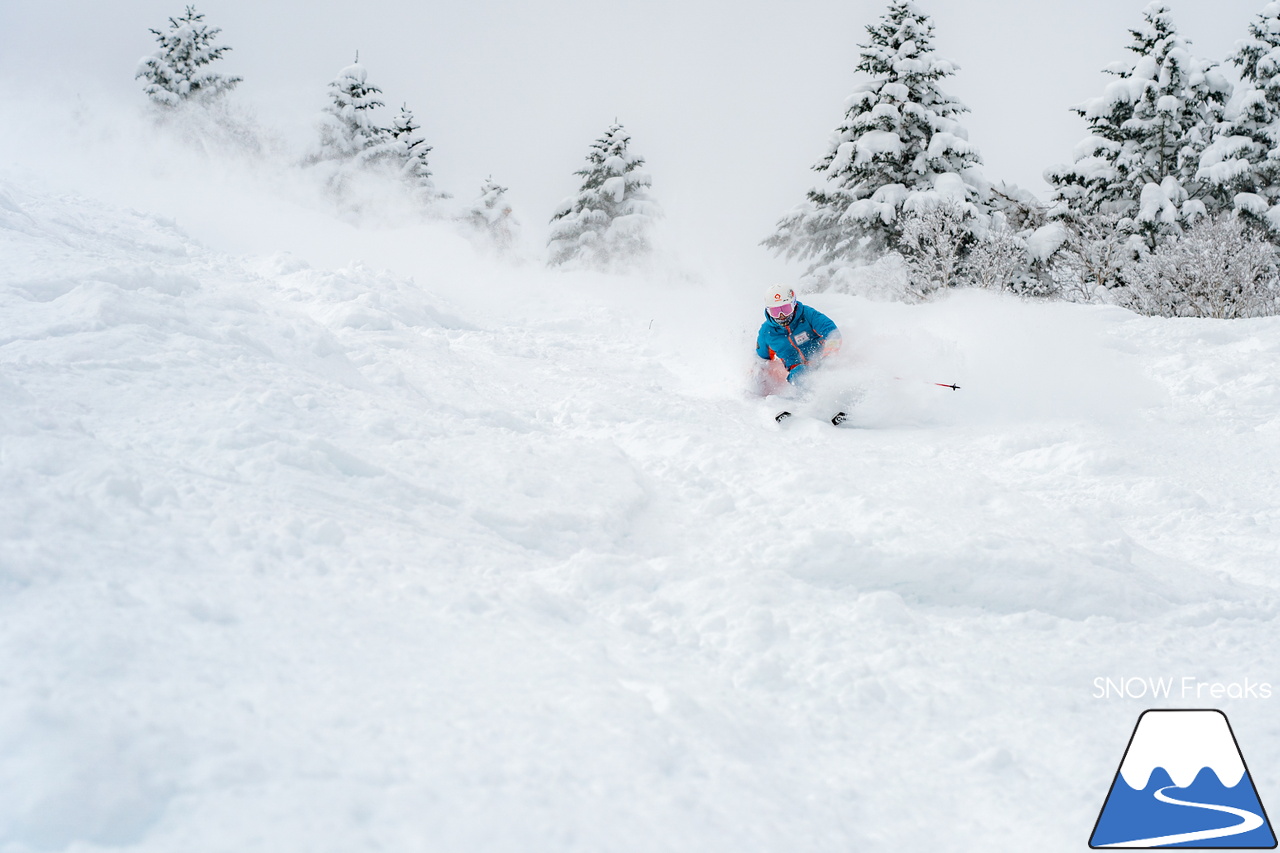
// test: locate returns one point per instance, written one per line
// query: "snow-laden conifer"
(180, 70)
(1243, 161)
(348, 130)
(409, 151)
(607, 224)
(491, 217)
(900, 148)
(1148, 131)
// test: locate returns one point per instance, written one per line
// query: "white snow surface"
(1183, 743)
(417, 551)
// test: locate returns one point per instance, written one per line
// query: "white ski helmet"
(778, 294)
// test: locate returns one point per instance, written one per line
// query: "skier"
(795, 334)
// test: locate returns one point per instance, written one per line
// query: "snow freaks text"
(1186, 687)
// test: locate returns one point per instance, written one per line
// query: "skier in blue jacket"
(799, 336)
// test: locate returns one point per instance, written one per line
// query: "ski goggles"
(777, 311)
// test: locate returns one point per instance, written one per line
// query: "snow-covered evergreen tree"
(607, 224)
(348, 130)
(490, 215)
(179, 70)
(410, 152)
(1148, 129)
(900, 148)
(1243, 161)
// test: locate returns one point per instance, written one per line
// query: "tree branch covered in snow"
(1092, 258)
(933, 242)
(1219, 268)
(999, 261)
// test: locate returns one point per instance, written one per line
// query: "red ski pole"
(950, 385)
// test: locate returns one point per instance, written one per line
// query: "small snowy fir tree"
(179, 71)
(900, 148)
(348, 130)
(490, 215)
(607, 224)
(1243, 161)
(410, 151)
(1149, 129)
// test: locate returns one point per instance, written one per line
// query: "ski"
(836, 419)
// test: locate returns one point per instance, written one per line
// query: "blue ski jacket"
(799, 344)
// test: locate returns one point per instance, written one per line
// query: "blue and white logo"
(1183, 783)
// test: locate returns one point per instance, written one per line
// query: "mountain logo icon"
(1183, 783)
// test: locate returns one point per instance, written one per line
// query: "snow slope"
(426, 553)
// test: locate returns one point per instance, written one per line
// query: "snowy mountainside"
(336, 558)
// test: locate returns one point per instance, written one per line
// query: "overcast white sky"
(731, 102)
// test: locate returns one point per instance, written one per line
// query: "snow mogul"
(797, 336)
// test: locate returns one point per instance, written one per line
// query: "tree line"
(605, 225)
(1171, 205)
